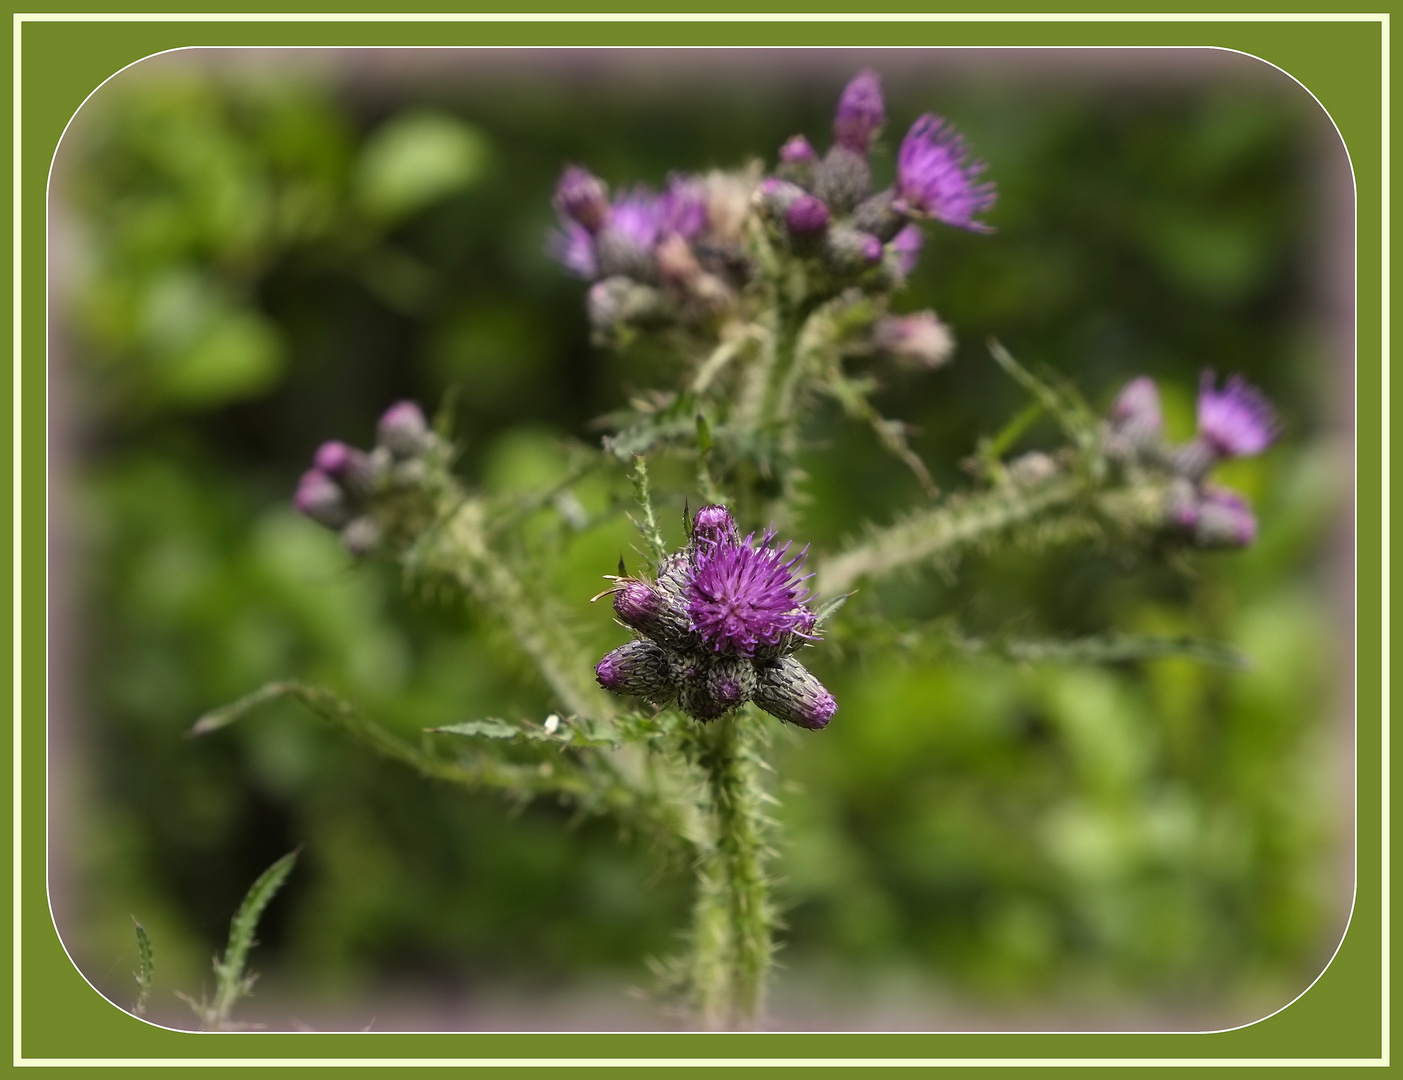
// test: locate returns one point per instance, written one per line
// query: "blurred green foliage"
(262, 261)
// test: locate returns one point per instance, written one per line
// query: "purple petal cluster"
(1236, 421)
(745, 596)
(719, 628)
(935, 178)
(658, 256)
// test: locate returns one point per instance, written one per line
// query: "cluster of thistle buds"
(825, 206)
(655, 259)
(1235, 421)
(720, 627)
(364, 495)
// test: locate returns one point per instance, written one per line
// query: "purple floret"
(861, 112)
(682, 209)
(742, 596)
(638, 216)
(935, 178)
(582, 197)
(906, 246)
(1235, 421)
(797, 151)
(573, 247)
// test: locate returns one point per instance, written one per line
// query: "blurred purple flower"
(682, 209)
(582, 197)
(1235, 421)
(573, 247)
(935, 178)
(797, 151)
(906, 246)
(861, 112)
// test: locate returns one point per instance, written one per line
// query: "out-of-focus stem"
(457, 548)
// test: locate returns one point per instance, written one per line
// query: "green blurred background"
(253, 252)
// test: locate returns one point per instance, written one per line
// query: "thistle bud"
(806, 217)
(788, 691)
(361, 536)
(918, 340)
(619, 301)
(797, 151)
(640, 668)
(777, 196)
(582, 197)
(713, 525)
(651, 612)
(1136, 423)
(1224, 520)
(730, 681)
(843, 179)
(355, 470)
(879, 216)
(320, 498)
(848, 251)
(861, 111)
(404, 431)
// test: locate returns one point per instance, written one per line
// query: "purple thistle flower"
(743, 596)
(1236, 421)
(797, 151)
(935, 178)
(906, 246)
(637, 215)
(861, 112)
(682, 209)
(639, 667)
(573, 247)
(582, 197)
(806, 216)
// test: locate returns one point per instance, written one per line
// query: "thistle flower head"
(861, 112)
(935, 178)
(582, 197)
(745, 595)
(1235, 421)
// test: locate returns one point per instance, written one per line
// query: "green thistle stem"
(733, 918)
(458, 549)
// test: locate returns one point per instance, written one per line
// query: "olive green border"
(1340, 1018)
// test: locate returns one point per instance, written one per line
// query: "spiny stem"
(942, 530)
(649, 525)
(733, 890)
(459, 550)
